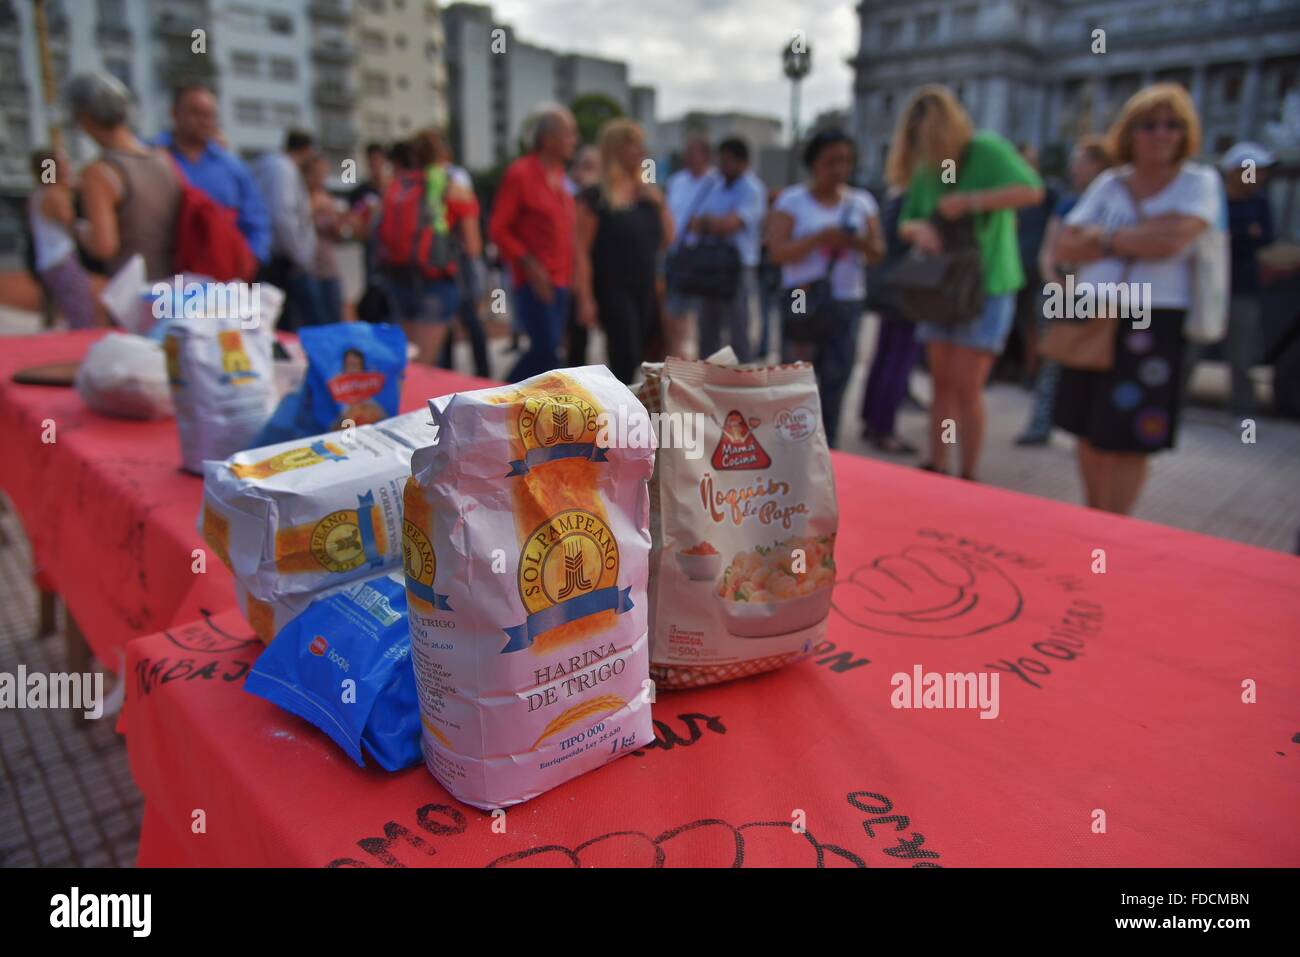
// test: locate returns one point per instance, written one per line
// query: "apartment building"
(495, 80)
(1033, 70)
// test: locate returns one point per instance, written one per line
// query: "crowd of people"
(589, 241)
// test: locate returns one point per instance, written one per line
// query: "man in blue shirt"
(732, 209)
(193, 144)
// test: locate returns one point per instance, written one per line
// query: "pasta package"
(308, 514)
(353, 376)
(222, 381)
(743, 564)
(526, 552)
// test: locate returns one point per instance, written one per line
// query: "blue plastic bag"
(344, 665)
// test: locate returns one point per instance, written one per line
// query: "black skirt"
(1134, 405)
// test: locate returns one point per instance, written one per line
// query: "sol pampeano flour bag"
(312, 513)
(222, 383)
(526, 555)
(744, 531)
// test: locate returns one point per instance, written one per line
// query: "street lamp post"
(796, 59)
(47, 72)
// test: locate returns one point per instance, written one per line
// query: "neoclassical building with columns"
(1035, 70)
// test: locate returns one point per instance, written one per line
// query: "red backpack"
(413, 231)
(207, 239)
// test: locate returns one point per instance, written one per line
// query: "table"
(110, 515)
(1146, 716)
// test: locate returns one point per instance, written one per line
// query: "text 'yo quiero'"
(526, 554)
(315, 512)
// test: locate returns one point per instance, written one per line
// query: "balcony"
(13, 91)
(111, 33)
(332, 52)
(335, 94)
(337, 137)
(336, 10)
(177, 71)
(173, 28)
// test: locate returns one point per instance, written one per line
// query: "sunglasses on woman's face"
(1169, 126)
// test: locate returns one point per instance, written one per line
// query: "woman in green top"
(951, 171)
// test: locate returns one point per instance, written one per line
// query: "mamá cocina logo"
(420, 566)
(301, 458)
(552, 427)
(738, 446)
(568, 569)
(345, 540)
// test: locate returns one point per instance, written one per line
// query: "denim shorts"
(987, 333)
(416, 299)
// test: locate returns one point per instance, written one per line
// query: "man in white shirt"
(685, 189)
(733, 212)
(293, 232)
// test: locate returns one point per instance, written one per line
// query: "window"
(1232, 89)
(402, 83)
(249, 112)
(285, 114)
(399, 41)
(404, 123)
(245, 64)
(279, 23)
(891, 31)
(377, 127)
(372, 41)
(282, 68)
(927, 28)
(374, 84)
(119, 68)
(963, 21)
(112, 12)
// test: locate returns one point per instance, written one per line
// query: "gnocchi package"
(308, 514)
(526, 552)
(743, 521)
(222, 381)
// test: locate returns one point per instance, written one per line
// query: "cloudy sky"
(703, 54)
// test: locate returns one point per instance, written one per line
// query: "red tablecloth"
(110, 515)
(1147, 716)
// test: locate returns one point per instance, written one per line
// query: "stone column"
(1248, 111)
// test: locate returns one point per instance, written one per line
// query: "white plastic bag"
(125, 376)
(223, 386)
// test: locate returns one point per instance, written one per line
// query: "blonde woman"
(1138, 224)
(622, 228)
(951, 171)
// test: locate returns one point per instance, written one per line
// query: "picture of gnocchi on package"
(526, 554)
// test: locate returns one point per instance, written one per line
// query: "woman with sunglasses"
(1137, 224)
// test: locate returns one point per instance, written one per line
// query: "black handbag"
(804, 318)
(709, 268)
(947, 288)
